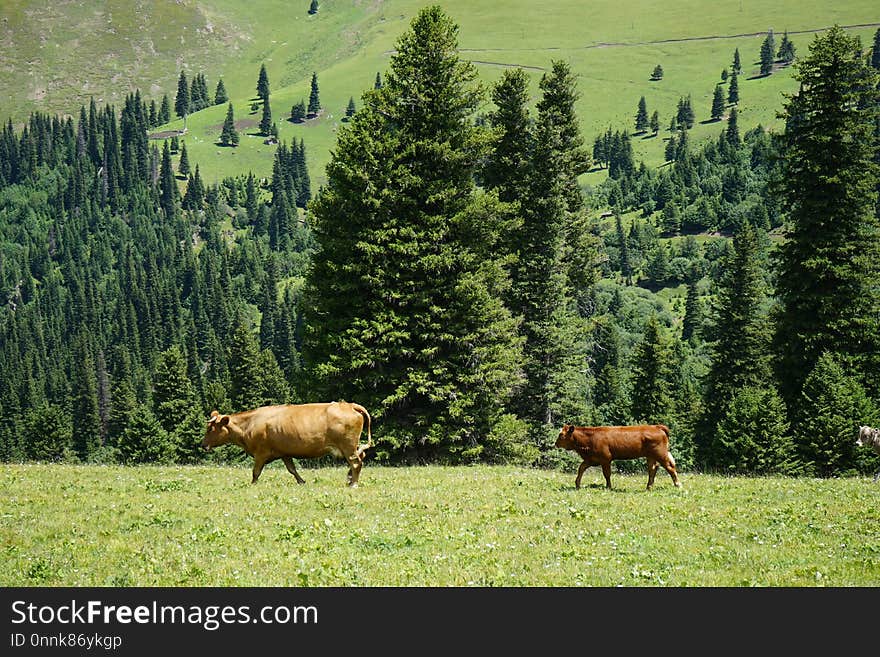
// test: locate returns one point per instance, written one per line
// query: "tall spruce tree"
(829, 266)
(652, 371)
(507, 166)
(768, 54)
(182, 100)
(229, 135)
(263, 83)
(642, 116)
(266, 119)
(314, 97)
(717, 111)
(220, 95)
(739, 335)
(402, 306)
(733, 89)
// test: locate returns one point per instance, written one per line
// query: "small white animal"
(869, 436)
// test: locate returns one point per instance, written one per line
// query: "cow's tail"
(665, 430)
(363, 448)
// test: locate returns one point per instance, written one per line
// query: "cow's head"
(217, 433)
(865, 435)
(565, 439)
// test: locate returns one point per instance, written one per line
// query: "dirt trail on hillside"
(625, 44)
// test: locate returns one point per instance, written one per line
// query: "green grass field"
(430, 526)
(57, 55)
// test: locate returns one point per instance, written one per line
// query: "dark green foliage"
(183, 165)
(263, 84)
(752, 436)
(724, 75)
(832, 405)
(314, 98)
(684, 116)
(717, 111)
(377, 84)
(168, 191)
(313, 7)
(768, 50)
(690, 325)
(655, 122)
(182, 99)
(731, 133)
(87, 430)
(175, 404)
(402, 304)
(144, 440)
(657, 73)
(875, 51)
(198, 94)
(220, 95)
(739, 334)
(229, 135)
(507, 168)
(266, 119)
(298, 112)
(830, 263)
(642, 116)
(350, 108)
(164, 111)
(47, 433)
(733, 89)
(737, 64)
(786, 49)
(652, 370)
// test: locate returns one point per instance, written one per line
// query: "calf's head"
(565, 440)
(217, 433)
(865, 436)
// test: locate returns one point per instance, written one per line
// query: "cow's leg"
(652, 471)
(606, 470)
(669, 466)
(291, 468)
(583, 466)
(259, 464)
(355, 463)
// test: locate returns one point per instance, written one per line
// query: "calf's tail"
(363, 411)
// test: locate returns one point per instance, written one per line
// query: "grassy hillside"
(430, 526)
(57, 55)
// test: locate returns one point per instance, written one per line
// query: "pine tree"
(740, 337)
(182, 100)
(717, 104)
(875, 51)
(168, 192)
(655, 122)
(84, 398)
(350, 108)
(229, 135)
(174, 401)
(506, 169)
(313, 7)
(47, 433)
(183, 166)
(827, 269)
(652, 370)
(314, 98)
(733, 89)
(246, 387)
(690, 324)
(657, 73)
(768, 51)
(429, 349)
(266, 120)
(642, 116)
(144, 440)
(298, 112)
(737, 64)
(263, 84)
(786, 49)
(377, 84)
(752, 437)
(830, 401)
(731, 133)
(164, 110)
(220, 95)
(626, 268)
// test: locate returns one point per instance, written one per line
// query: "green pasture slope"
(57, 55)
(430, 526)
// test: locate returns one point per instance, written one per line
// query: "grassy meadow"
(612, 45)
(67, 525)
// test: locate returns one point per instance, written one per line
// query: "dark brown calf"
(601, 445)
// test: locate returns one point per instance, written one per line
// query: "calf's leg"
(355, 463)
(606, 470)
(291, 468)
(652, 471)
(669, 466)
(577, 481)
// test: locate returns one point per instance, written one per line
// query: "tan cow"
(601, 445)
(294, 431)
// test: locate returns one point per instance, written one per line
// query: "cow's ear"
(223, 420)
